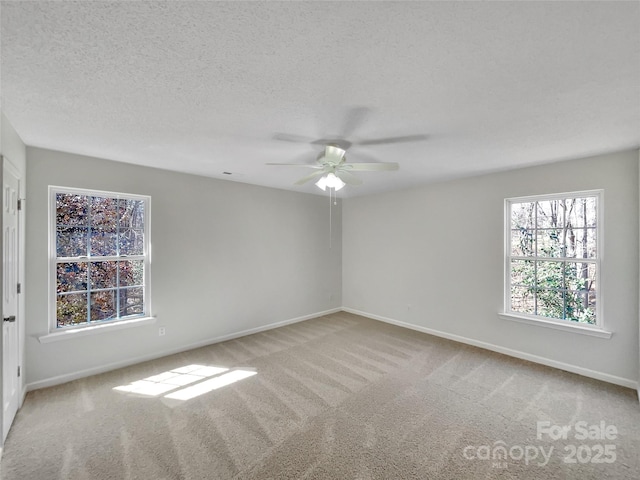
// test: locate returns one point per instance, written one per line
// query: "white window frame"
(57, 333)
(596, 329)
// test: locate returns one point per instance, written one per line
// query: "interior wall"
(433, 257)
(13, 149)
(226, 257)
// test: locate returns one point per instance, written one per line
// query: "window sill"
(583, 330)
(95, 329)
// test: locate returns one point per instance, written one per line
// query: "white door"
(10, 350)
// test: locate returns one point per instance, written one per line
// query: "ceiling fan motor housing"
(333, 155)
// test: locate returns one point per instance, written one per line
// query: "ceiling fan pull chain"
(330, 222)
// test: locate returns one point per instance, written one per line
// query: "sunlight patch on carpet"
(170, 380)
(210, 385)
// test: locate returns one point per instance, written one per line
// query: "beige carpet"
(338, 397)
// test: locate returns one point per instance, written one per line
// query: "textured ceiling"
(208, 87)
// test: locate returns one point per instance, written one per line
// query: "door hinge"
(19, 288)
(18, 370)
(19, 204)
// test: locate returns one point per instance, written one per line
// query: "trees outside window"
(553, 259)
(99, 256)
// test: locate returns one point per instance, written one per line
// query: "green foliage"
(549, 279)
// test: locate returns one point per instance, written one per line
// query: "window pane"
(71, 277)
(562, 229)
(131, 242)
(71, 209)
(522, 243)
(71, 241)
(580, 276)
(522, 300)
(582, 212)
(104, 213)
(131, 301)
(131, 273)
(103, 305)
(98, 225)
(581, 306)
(550, 213)
(549, 242)
(581, 243)
(523, 272)
(571, 245)
(550, 275)
(522, 215)
(131, 214)
(591, 209)
(551, 303)
(103, 275)
(103, 242)
(71, 309)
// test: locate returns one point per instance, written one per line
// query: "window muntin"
(553, 260)
(99, 261)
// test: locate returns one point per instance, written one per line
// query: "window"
(552, 258)
(99, 257)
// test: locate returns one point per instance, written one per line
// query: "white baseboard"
(68, 377)
(605, 377)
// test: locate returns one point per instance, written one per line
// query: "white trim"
(568, 326)
(5, 161)
(94, 329)
(557, 196)
(49, 382)
(91, 191)
(605, 377)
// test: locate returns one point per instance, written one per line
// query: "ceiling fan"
(332, 169)
(334, 172)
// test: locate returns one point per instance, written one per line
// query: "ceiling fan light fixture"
(331, 181)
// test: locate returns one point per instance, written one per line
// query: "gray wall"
(230, 257)
(433, 257)
(227, 257)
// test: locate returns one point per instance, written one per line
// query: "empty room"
(320, 240)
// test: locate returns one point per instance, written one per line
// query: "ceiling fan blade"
(352, 121)
(370, 167)
(286, 137)
(296, 165)
(348, 178)
(382, 141)
(338, 142)
(310, 177)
